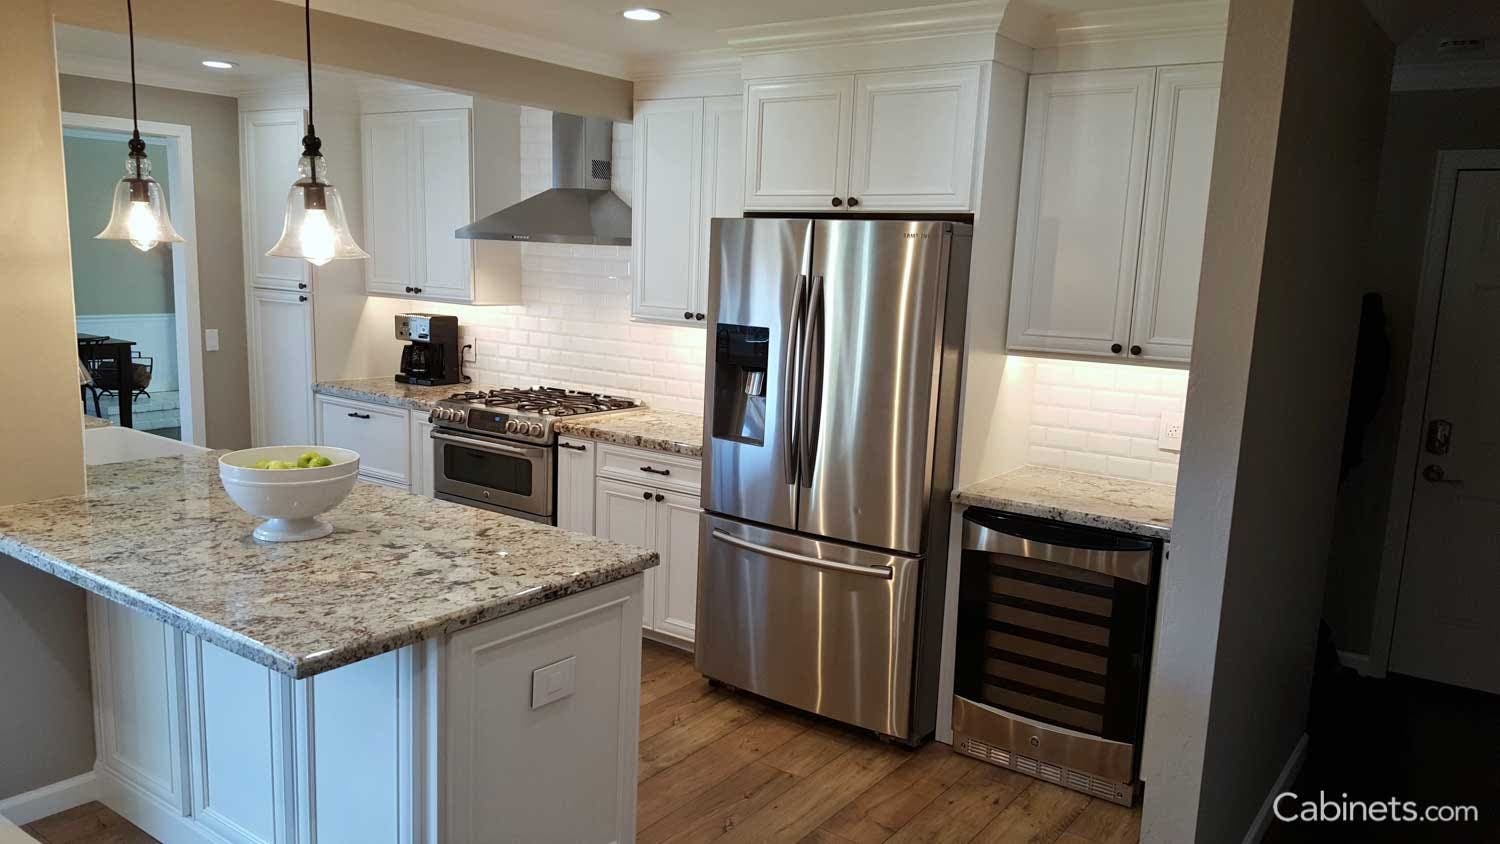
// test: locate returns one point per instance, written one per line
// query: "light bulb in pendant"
(139, 214)
(315, 229)
(141, 225)
(318, 237)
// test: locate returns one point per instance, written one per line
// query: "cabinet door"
(390, 219)
(379, 433)
(575, 485)
(626, 513)
(1182, 158)
(269, 144)
(442, 188)
(1083, 177)
(797, 143)
(914, 139)
(420, 454)
(723, 179)
(676, 597)
(666, 225)
(281, 367)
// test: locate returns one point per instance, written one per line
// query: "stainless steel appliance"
(1053, 650)
(431, 354)
(833, 369)
(496, 449)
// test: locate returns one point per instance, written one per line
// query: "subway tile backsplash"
(1103, 418)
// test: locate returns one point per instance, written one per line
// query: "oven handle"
(485, 445)
(882, 572)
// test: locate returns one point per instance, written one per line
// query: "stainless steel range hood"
(579, 207)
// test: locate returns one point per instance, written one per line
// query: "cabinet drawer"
(652, 468)
(378, 433)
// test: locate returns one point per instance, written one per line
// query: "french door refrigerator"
(830, 412)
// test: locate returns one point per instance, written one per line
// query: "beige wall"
(1295, 172)
(216, 183)
(1420, 124)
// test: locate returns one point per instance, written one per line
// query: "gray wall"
(1295, 172)
(47, 729)
(111, 276)
(216, 182)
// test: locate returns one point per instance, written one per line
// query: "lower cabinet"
(575, 485)
(420, 453)
(394, 443)
(666, 522)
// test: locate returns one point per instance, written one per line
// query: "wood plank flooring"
(720, 766)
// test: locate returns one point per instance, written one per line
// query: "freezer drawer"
(818, 625)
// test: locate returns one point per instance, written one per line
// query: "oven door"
(497, 473)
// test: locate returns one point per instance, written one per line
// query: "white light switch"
(552, 682)
(1169, 438)
(210, 339)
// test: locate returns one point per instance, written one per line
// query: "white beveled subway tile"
(1131, 425)
(1050, 415)
(1075, 397)
(1099, 376)
(1146, 449)
(1137, 379)
(1067, 438)
(1088, 420)
(1112, 401)
(1128, 467)
(1083, 461)
(1036, 433)
(1174, 380)
(1109, 444)
(1043, 456)
(1157, 405)
(1053, 373)
(1164, 473)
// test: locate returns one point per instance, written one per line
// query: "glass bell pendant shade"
(139, 214)
(315, 227)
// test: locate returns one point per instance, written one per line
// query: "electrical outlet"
(1169, 436)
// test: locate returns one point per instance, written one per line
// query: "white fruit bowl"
(289, 499)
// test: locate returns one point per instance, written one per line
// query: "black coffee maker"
(431, 355)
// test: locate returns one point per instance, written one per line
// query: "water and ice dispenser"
(739, 407)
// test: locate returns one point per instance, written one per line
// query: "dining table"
(102, 347)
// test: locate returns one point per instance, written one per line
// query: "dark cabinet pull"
(656, 471)
(646, 495)
(853, 203)
(687, 314)
(1135, 350)
(301, 298)
(1117, 348)
(573, 447)
(837, 202)
(698, 317)
(353, 415)
(660, 497)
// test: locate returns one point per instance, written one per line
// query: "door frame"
(1450, 163)
(178, 139)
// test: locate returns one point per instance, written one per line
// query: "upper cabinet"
(1109, 233)
(687, 170)
(900, 140)
(269, 141)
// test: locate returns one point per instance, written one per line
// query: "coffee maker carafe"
(431, 354)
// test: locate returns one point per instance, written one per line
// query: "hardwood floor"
(720, 766)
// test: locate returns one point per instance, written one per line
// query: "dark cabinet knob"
(837, 202)
(646, 495)
(1135, 350)
(416, 290)
(660, 497)
(687, 314)
(408, 288)
(301, 298)
(698, 317)
(301, 285)
(1117, 348)
(853, 203)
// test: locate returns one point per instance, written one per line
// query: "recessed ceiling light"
(644, 14)
(217, 64)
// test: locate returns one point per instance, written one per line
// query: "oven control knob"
(511, 426)
(534, 429)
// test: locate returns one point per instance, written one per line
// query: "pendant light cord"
(310, 143)
(135, 112)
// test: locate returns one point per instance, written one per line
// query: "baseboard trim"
(667, 639)
(155, 816)
(48, 800)
(1284, 781)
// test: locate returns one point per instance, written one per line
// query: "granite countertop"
(389, 391)
(161, 536)
(95, 422)
(1137, 507)
(657, 430)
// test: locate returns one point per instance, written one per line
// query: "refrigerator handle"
(791, 375)
(811, 383)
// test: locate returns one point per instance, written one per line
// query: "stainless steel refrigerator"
(834, 353)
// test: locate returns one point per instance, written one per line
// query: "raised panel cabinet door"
(676, 599)
(1182, 159)
(1078, 227)
(666, 225)
(575, 485)
(389, 156)
(281, 367)
(379, 433)
(420, 454)
(723, 179)
(269, 143)
(626, 513)
(914, 139)
(797, 143)
(444, 180)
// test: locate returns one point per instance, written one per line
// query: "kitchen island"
(430, 672)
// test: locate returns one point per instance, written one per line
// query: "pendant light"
(139, 212)
(315, 227)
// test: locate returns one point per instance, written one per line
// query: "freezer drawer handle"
(882, 572)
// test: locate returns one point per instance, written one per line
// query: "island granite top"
(657, 430)
(162, 537)
(91, 422)
(1137, 507)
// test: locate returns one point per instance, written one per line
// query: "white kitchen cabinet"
(914, 139)
(420, 453)
(390, 205)
(1171, 261)
(688, 165)
(380, 433)
(575, 485)
(901, 140)
(1083, 178)
(280, 327)
(666, 522)
(270, 143)
(625, 513)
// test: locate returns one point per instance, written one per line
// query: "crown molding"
(692, 63)
(1446, 76)
(1138, 23)
(114, 70)
(966, 18)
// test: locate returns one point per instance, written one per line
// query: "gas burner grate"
(546, 401)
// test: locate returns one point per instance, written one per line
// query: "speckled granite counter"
(1134, 507)
(161, 536)
(657, 430)
(388, 391)
(95, 422)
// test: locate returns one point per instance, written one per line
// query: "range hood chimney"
(579, 207)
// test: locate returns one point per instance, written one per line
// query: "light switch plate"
(210, 339)
(1169, 435)
(552, 683)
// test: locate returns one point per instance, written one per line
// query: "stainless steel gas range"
(497, 449)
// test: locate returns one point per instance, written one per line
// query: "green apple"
(319, 461)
